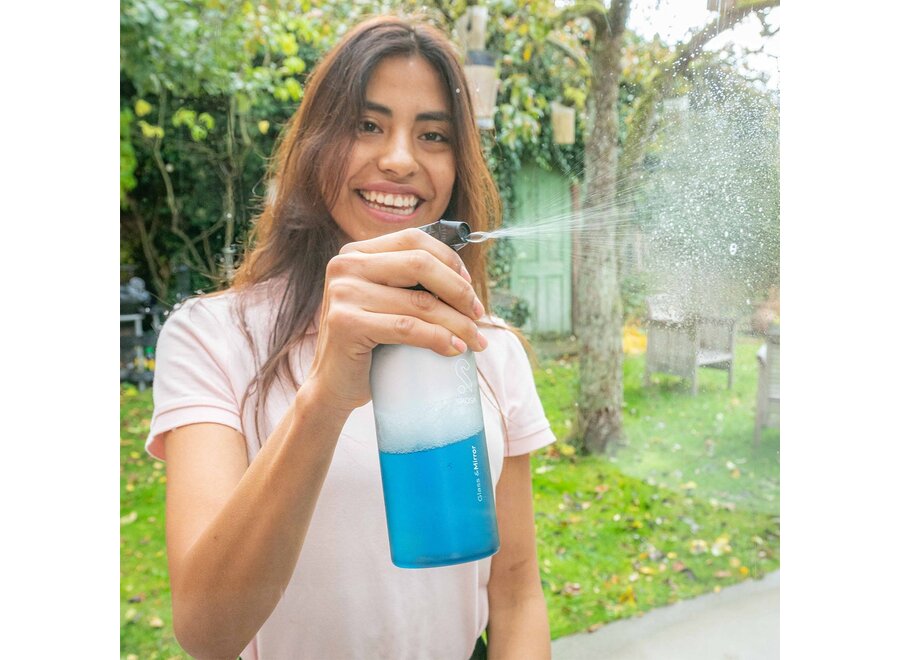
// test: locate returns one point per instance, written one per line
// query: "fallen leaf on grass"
(721, 546)
(594, 627)
(699, 546)
(130, 518)
(722, 574)
(571, 589)
(628, 596)
(156, 622)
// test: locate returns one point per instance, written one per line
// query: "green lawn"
(684, 507)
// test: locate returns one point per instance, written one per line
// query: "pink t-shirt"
(345, 600)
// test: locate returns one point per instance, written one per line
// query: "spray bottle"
(438, 493)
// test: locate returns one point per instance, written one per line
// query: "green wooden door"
(542, 267)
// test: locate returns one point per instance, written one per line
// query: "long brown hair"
(295, 236)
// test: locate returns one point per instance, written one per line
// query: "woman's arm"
(517, 614)
(234, 532)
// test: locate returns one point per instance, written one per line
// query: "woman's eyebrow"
(434, 115)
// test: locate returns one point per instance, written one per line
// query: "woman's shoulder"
(226, 310)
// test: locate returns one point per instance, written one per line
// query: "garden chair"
(768, 390)
(679, 343)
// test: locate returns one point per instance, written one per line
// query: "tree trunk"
(599, 316)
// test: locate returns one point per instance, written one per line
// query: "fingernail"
(478, 309)
(458, 344)
(482, 341)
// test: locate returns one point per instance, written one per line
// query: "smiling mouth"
(390, 203)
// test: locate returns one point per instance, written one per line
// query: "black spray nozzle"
(450, 232)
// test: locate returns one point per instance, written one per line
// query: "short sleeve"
(509, 373)
(191, 383)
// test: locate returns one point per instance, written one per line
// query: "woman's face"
(402, 168)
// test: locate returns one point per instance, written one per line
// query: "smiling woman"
(276, 532)
(401, 169)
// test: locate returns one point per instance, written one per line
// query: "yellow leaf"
(647, 570)
(634, 342)
(130, 518)
(142, 108)
(526, 54)
(263, 126)
(156, 622)
(566, 449)
(699, 546)
(721, 546)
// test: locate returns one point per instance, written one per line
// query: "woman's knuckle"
(404, 325)
(416, 261)
(341, 289)
(337, 265)
(347, 248)
(423, 300)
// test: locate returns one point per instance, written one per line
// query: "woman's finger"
(423, 305)
(405, 269)
(411, 239)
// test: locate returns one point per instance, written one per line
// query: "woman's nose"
(398, 157)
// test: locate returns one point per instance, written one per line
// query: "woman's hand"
(367, 302)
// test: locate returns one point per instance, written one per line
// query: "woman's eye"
(367, 126)
(434, 137)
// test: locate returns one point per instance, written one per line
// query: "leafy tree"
(205, 86)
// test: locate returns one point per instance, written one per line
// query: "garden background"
(682, 501)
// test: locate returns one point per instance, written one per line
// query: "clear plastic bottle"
(435, 471)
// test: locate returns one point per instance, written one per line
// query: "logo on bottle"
(462, 368)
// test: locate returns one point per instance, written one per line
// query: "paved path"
(738, 623)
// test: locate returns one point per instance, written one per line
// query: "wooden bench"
(678, 343)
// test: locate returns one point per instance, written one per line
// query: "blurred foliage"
(204, 82)
(510, 307)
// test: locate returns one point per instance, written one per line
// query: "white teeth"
(393, 200)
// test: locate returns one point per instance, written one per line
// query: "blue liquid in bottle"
(440, 504)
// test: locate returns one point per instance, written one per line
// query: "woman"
(276, 534)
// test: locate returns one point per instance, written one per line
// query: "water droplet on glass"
(733, 248)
